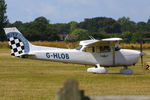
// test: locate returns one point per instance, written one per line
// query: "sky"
(64, 11)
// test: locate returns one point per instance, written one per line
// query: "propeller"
(142, 54)
(141, 50)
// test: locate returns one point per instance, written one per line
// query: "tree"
(98, 27)
(81, 34)
(140, 26)
(39, 30)
(73, 25)
(42, 20)
(126, 24)
(17, 24)
(62, 28)
(3, 19)
(123, 20)
(126, 37)
(101, 24)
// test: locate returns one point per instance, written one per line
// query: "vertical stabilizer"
(18, 43)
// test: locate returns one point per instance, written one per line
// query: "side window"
(105, 49)
(90, 49)
(93, 49)
(98, 49)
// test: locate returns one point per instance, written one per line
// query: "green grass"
(26, 79)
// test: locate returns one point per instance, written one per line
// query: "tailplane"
(18, 43)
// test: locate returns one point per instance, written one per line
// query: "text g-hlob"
(57, 55)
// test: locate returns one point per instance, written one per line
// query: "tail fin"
(18, 43)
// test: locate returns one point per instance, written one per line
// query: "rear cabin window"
(105, 49)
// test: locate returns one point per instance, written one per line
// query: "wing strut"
(113, 47)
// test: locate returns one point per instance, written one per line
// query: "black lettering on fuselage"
(62, 56)
(48, 55)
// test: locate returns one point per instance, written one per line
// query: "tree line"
(41, 28)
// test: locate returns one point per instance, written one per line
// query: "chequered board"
(16, 46)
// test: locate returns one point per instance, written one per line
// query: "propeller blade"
(142, 60)
(141, 50)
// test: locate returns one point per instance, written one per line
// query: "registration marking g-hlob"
(57, 55)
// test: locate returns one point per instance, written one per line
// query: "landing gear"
(97, 69)
(126, 70)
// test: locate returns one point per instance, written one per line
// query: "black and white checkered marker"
(16, 46)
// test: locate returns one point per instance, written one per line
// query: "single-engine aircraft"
(100, 53)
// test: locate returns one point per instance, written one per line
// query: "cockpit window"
(79, 47)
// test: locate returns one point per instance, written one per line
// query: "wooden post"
(70, 91)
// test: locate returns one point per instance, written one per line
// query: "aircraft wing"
(108, 41)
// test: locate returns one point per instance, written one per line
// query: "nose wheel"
(126, 70)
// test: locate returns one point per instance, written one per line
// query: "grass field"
(26, 79)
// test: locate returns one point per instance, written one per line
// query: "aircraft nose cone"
(142, 53)
(136, 52)
(132, 56)
(139, 53)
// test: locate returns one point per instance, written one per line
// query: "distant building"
(70, 37)
(62, 36)
(67, 37)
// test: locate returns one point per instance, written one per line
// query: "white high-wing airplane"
(105, 52)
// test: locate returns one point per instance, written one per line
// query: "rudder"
(18, 43)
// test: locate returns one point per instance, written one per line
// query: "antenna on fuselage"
(91, 37)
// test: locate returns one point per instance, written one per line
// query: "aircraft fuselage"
(123, 57)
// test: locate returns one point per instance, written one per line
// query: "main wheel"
(126, 71)
(98, 70)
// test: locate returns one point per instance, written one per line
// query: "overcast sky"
(64, 11)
